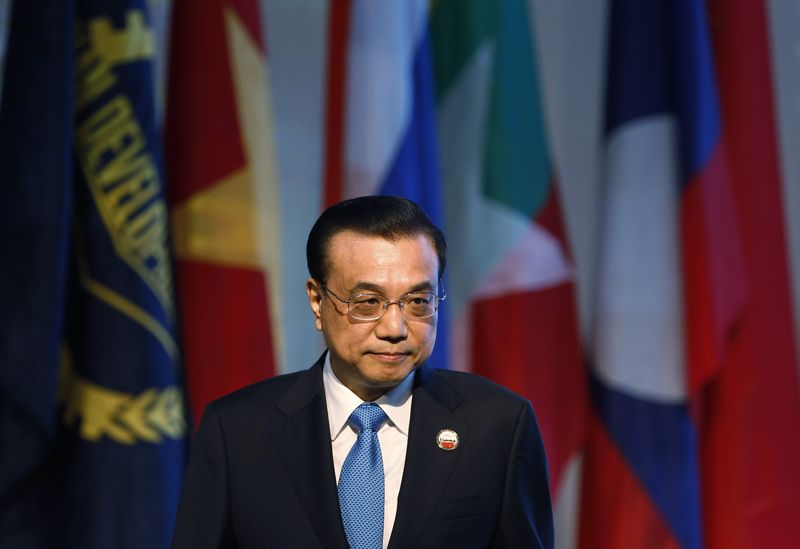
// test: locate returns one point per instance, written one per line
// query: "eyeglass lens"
(372, 306)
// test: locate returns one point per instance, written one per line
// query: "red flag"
(750, 413)
(223, 196)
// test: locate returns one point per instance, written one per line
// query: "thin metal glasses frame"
(385, 306)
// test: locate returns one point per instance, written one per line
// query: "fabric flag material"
(112, 474)
(750, 411)
(511, 287)
(381, 135)
(120, 359)
(671, 284)
(223, 194)
(36, 125)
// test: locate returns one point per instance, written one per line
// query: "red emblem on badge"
(447, 439)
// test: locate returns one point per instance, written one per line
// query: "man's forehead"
(348, 238)
(351, 254)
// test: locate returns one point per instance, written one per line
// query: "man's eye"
(420, 300)
(366, 300)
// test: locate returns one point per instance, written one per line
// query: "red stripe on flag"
(338, 37)
(224, 310)
(202, 139)
(228, 330)
(250, 16)
(750, 443)
(529, 343)
(616, 512)
(549, 217)
(713, 269)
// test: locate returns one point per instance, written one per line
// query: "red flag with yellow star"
(223, 195)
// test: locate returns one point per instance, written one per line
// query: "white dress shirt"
(392, 435)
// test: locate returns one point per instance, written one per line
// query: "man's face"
(371, 357)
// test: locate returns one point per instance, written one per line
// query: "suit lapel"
(303, 442)
(427, 467)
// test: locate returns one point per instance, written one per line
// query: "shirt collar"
(341, 401)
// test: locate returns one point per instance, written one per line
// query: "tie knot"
(368, 416)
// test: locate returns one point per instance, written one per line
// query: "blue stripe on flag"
(660, 62)
(659, 443)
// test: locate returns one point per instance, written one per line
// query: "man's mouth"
(390, 356)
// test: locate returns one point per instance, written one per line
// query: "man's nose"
(392, 325)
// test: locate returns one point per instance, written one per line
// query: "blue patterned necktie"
(361, 481)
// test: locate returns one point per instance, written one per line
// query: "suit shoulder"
(473, 386)
(258, 394)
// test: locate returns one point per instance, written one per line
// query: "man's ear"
(314, 293)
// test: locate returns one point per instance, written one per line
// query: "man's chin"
(389, 374)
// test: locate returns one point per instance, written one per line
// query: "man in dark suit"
(369, 447)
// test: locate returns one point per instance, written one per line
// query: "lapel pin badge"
(447, 439)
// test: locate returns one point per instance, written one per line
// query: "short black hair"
(390, 217)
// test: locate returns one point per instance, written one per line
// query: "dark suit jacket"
(261, 469)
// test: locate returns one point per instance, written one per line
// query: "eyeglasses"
(371, 306)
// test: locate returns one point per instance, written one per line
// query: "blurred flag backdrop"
(668, 232)
(223, 195)
(36, 130)
(92, 415)
(673, 422)
(694, 372)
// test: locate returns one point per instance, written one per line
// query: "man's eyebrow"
(422, 287)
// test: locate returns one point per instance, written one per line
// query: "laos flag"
(670, 277)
